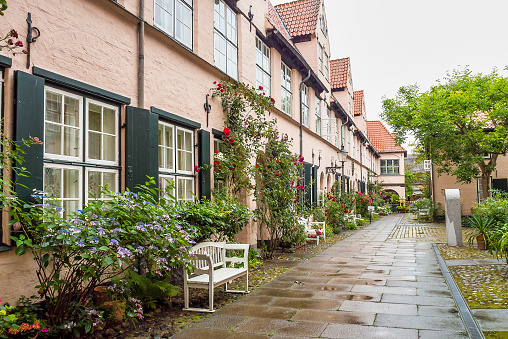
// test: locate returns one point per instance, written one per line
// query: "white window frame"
(226, 35)
(305, 105)
(102, 170)
(385, 168)
(117, 134)
(191, 132)
(169, 126)
(325, 62)
(192, 182)
(174, 19)
(163, 184)
(320, 57)
(80, 184)
(80, 127)
(287, 93)
(263, 66)
(317, 112)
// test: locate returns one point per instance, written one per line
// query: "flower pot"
(481, 242)
(100, 295)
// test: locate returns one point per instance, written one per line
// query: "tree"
(457, 122)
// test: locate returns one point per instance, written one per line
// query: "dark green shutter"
(29, 122)
(314, 184)
(142, 156)
(306, 180)
(204, 159)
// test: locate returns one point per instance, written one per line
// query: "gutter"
(141, 55)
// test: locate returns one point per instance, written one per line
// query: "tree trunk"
(485, 184)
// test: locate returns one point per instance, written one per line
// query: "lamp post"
(342, 156)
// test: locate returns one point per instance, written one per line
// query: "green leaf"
(107, 261)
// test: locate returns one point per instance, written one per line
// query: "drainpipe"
(141, 55)
(301, 126)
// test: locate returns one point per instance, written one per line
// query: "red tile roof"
(358, 102)
(381, 138)
(300, 17)
(275, 20)
(339, 70)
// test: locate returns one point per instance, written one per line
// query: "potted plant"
(483, 226)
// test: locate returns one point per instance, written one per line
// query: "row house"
(119, 89)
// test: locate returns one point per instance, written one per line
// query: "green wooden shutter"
(29, 122)
(314, 184)
(142, 156)
(204, 159)
(306, 180)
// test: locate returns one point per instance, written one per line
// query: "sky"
(393, 43)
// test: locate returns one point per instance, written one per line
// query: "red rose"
(196, 169)
(214, 82)
(257, 166)
(216, 151)
(232, 142)
(220, 166)
(226, 132)
(243, 159)
(272, 99)
(261, 87)
(276, 174)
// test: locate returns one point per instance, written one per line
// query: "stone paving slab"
(378, 307)
(492, 319)
(359, 318)
(438, 311)
(419, 322)
(358, 331)
(417, 300)
(430, 334)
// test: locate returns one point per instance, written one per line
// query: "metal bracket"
(208, 108)
(251, 16)
(30, 38)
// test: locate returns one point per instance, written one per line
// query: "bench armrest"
(208, 269)
(244, 259)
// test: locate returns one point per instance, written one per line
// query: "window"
(320, 57)
(343, 136)
(305, 105)
(79, 140)
(286, 94)
(225, 39)
(175, 18)
(328, 124)
(337, 133)
(318, 115)
(326, 61)
(390, 166)
(263, 66)
(176, 161)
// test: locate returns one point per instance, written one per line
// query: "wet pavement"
(369, 285)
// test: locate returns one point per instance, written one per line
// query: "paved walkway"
(366, 286)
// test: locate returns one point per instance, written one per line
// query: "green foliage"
(495, 207)
(350, 226)
(148, 289)
(450, 120)
(221, 217)
(92, 246)
(20, 321)
(3, 6)
(483, 225)
(409, 180)
(254, 259)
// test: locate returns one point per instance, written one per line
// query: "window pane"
(180, 160)
(220, 52)
(188, 162)
(53, 139)
(188, 141)
(71, 183)
(109, 116)
(94, 181)
(109, 179)
(53, 107)
(70, 206)
(71, 112)
(95, 117)
(169, 158)
(71, 142)
(94, 145)
(109, 148)
(53, 182)
(179, 139)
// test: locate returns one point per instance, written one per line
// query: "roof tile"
(381, 138)
(358, 102)
(275, 19)
(339, 70)
(300, 17)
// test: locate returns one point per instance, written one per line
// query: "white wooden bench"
(211, 270)
(312, 228)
